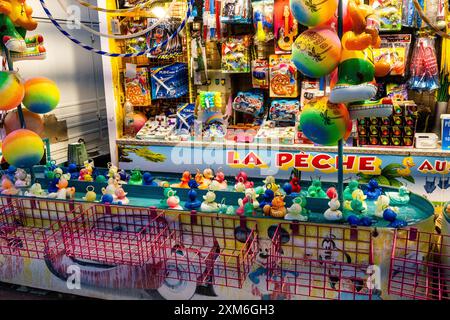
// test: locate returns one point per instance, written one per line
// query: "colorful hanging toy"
(12, 90)
(41, 95)
(23, 148)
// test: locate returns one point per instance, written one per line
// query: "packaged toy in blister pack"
(137, 89)
(310, 88)
(397, 92)
(389, 13)
(285, 26)
(434, 10)
(213, 124)
(169, 81)
(260, 73)
(185, 118)
(235, 55)
(161, 33)
(131, 26)
(390, 58)
(283, 77)
(209, 100)
(424, 68)
(249, 102)
(263, 20)
(284, 110)
(236, 11)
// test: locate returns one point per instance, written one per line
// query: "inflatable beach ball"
(139, 120)
(11, 91)
(323, 122)
(316, 52)
(41, 95)
(312, 13)
(23, 148)
(33, 121)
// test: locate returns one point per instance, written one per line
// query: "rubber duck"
(315, 190)
(202, 182)
(49, 167)
(408, 163)
(168, 192)
(381, 204)
(399, 198)
(224, 209)
(23, 179)
(208, 176)
(135, 177)
(333, 213)
(85, 175)
(52, 185)
(391, 216)
(192, 203)
(246, 206)
(11, 172)
(111, 188)
(331, 193)
(90, 196)
(148, 180)
(278, 209)
(219, 182)
(112, 170)
(164, 184)
(72, 168)
(100, 179)
(107, 198)
(239, 186)
(64, 192)
(121, 196)
(358, 204)
(268, 196)
(373, 191)
(270, 183)
(295, 183)
(209, 204)
(348, 191)
(242, 177)
(294, 212)
(357, 221)
(8, 187)
(58, 172)
(184, 181)
(89, 165)
(124, 176)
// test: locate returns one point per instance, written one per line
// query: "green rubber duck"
(136, 177)
(315, 190)
(348, 191)
(168, 192)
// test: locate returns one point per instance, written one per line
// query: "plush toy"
(356, 80)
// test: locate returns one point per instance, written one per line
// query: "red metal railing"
(115, 234)
(28, 227)
(321, 262)
(420, 265)
(210, 249)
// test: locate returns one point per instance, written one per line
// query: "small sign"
(445, 131)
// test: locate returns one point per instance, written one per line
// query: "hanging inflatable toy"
(316, 52)
(23, 148)
(34, 122)
(323, 122)
(312, 13)
(41, 95)
(356, 73)
(12, 90)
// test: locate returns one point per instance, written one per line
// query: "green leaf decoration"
(409, 179)
(391, 170)
(395, 183)
(382, 180)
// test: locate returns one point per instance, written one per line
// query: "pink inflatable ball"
(33, 122)
(139, 120)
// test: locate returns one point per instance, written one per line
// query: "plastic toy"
(22, 178)
(35, 191)
(278, 209)
(219, 182)
(399, 198)
(8, 187)
(263, 20)
(331, 193)
(284, 110)
(192, 203)
(12, 90)
(323, 122)
(315, 190)
(184, 181)
(90, 196)
(295, 211)
(200, 179)
(356, 68)
(313, 13)
(137, 88)
(283, 77)
(287, 188)
(224, 209)
(246, 205)
(381, 204)
(209, 204)
(286, 27)
(85, 175)
(41, 95)
(111, 187)
(112, 170)
(239, 187)
(107, 198)
(64, 191)
(267, 196)
(249, 102)
(356, 221)
(348, 191)
(136, 177)
(33, 121)
(11, 172)
(148, 180)
(169, 82)
(52, 188)
(358, 204)
(124, 176)
(168, 192)
(243, 178)
(72, 169)
(333, 213)
(373, 191)
(316, 52)
(100, 179)
(23, 148)
(235, 55)
(260, 73)
(121, 196)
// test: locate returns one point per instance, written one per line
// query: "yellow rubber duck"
(408, 163)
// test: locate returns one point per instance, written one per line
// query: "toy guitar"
(285, 35)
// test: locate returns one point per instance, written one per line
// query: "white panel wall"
(79, 76)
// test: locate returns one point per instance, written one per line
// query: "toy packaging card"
(249, 102)
(235, 55)
(260, 73)
(185, 118)
(236, 11)
(285, 25)
(397, 92)
(170, 81)
(389, 13)
(161, 33)
(310, 89)
(263, 20)
(394, 50)
(284, 110)
(131, 26)
(137, 89)
(283, 77)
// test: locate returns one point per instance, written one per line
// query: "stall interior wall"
(79, 75)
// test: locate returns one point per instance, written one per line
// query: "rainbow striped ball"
(23, 148)
(11, 91)
(313, 13)
(316, 52)
(41, 95)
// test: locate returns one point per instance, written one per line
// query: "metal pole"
(340, 184)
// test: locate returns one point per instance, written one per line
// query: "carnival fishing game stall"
(259, 150)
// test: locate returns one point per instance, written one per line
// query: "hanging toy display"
(34, 122)
(424, 68)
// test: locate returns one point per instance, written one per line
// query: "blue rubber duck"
(73, 170)
(192, 203)
(148, 180)
(107, 198)
(373, 191)
(268, 196)
(391, 216)
(124, 176)
(10, 172)
(52, 186)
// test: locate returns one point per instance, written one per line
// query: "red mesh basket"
(320, 262)
(210, 249)
(420, 265)
(115, 234)
(28, 227)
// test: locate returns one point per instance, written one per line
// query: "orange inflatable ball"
(12, 91)
(23, 148)
(139, 119)
(33, 122)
